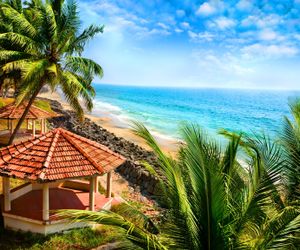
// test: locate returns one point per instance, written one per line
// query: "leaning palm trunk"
(43, 44)
(21, 120)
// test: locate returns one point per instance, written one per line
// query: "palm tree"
(214, 201)
(44, 44)
(291, 142)
(8, 79)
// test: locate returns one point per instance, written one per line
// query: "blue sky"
(241, 43)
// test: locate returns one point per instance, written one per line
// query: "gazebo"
(12, 113)
(55, 167)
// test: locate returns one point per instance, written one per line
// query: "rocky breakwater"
(133, 171)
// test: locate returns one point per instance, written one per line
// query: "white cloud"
(225, 64)
(206, 9)
(158, 32)
(222, 23)
(177, 30)
(202, 36)
(261, 50)
(268, 35)
(185, 25)
(120, 21)
(271, 20)
(162, 25)
(244, 5)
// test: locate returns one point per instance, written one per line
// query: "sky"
(229, 44)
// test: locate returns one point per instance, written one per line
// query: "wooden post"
(108, 185)
(92, 194)
(45, 126)
(33, 128)
(27, 124)
(96, 184)
(42, 126)
(45, 201)
(11, 126)
(6, 192)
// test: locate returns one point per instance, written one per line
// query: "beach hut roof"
(57, 155)
(12, 111)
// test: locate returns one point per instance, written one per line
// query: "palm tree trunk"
(12, 137)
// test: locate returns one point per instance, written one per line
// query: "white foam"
(107, 107)
(122, 120)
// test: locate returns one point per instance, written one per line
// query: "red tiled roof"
(12, 111)
(57, 155)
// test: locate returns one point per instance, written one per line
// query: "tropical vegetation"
(41, 43)
(213, 200)
(244, 195)
(84, 238)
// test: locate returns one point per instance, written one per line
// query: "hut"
(60, 170)
(11, 113)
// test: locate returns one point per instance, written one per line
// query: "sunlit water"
(163, 110)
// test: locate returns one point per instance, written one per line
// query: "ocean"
(164, 110)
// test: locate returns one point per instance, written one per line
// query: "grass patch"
(44, 105)
(6, 101)
(85, 238)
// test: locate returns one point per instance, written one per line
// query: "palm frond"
(282, 232)
(174, 186)
(21, 42)
(84, 66)
(85, 36)
(138, 235)
(19, 20)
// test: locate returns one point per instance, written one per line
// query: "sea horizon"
(164, 109)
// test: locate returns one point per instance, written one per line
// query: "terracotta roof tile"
(11, 111)
(59, 154)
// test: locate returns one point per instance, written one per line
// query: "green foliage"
(41, 43)
(43, 105)
(5, 101)
(85, 238)
(213, 200)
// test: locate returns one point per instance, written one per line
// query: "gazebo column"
(45, 201)
(92, 194)
(27, 124)
(42, 126)
(96, 184)
(6, 192)
(11, 126)
(45, 125)
(108, 184)
(33, 128)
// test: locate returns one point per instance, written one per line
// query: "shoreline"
(170, 146)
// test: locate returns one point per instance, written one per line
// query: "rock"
(132, 170)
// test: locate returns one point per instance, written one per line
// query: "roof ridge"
(14, 106)
(78, 147)
(94, 143)
(51, 149)
(50, 154)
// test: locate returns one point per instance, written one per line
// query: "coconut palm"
(44, 44)
(10, 79)
(291, 141)
(213, 201)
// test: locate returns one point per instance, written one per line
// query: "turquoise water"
(162, 110)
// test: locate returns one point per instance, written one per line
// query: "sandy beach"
(168, 145)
